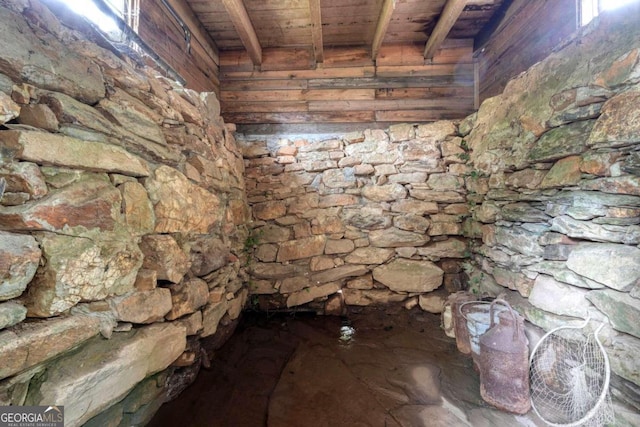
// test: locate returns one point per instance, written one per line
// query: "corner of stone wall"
(559, 200)
(123, 216)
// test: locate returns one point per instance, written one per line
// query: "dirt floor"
(374, 368)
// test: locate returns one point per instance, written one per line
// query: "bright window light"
(89, 10)
(614, 4)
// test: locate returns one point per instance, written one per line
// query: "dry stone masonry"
(121, 225)
(366, 218)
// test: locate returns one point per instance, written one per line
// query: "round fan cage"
(569, 374)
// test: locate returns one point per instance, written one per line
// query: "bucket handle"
(510, 309)
(469, 302)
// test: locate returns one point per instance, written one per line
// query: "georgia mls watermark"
(31, 416)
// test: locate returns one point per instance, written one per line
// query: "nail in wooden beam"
(381, 29)
(242, 23)
(316, 30)
(448, 18)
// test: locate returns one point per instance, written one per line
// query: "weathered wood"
(452, 104)
(299, 95)
(248, 85)
(264, 107)
(320, 73)
(240, 18)
(381, 29)
(465, 71)
(316, 30)
(448, 18)
(419, 115)
(198, 31)
(347, 57)
(434, 82)
(323, 117)
(425, 93)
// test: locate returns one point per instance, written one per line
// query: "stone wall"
(122, 220)
(558, 190)
(365, 218)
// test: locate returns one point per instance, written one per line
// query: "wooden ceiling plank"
(448, 18)
(381, 29)
(240, 19)
(316, 30)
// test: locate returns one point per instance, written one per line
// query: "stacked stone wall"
(122, 220)
(365, 218)
(558, 205)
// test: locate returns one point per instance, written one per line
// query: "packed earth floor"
(389, 367)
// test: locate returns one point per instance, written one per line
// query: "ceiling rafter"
(240, 19)
(448, 18)
(316, 30)
(381, 29)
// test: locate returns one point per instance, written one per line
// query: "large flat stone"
(91, 203)
(301, 248)
(338, 273)
(450, 248)
(394, 238)
(596, 232)
(45, 62)
(211, 316)
(368, 255)
(58, 150)
(187, 297)
(19, 259)
(309, 294)
(616, 266)
(619, 123)
(30, 343)
(137, 208)
(559, 298)
(86, 268)
(142, 306)
(385, 193)
(404, 275)
(622, 309)
(11, 313)
(90, 381)
(181, 206)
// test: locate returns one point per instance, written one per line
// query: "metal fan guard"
(557, 383)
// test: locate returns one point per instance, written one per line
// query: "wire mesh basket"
(569, 374)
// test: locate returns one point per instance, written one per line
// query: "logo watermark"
(31, 416)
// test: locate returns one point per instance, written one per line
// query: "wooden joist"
(197, 30)
(242, 23)
(381, 29)
(448, 18)
(316, 30)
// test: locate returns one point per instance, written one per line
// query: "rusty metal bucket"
(504, 361)
(459, 322)
(478, 317)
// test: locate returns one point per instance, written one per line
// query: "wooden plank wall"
(348, 87)
(163, 34)
(526, 35)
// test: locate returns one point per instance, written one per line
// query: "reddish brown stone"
(24, 177)
(301, 248)
(187, 297)
(146, 280)
(162, 254)
(564, 173)
(269, 210)
(39, 116)
(599, 163)
(142, 307)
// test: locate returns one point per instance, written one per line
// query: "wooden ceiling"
(318, 25)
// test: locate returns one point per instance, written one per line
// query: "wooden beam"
(240, 19)
(448, 18)
(316, 30)
(381, 29)
(197, 29)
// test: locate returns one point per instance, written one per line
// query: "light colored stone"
(616, 266)
(163, 255)
(394, 238)
(415, 223)
(19, 259)
(619, 123)
(11, 313)
(181, 206)
(445, 182)
(385, 193)
(309, 294)
(9, 110)
(30, 343)
(39, 116)
(137, 208)
(86, 268)
(401, 132)
(207, 254)
(319, 263)
(192, 323)
(550, 295)
(187, 297)
(301, 248)
(269, 210)
(86, 384)
(365, 297)
(432, 302)
(142, 307)
(237, 304)
(623, 356)
(211, 316)
(339, 178)
(294, 284)
(338, 246)
(363, 282)
(74, 153)
(338, 273)
(622, 309)
(449, 248)
(437, 196)
(564, 173)
(436, 130)
(403, 275)
(369, 256)
(600, 233)
(416, 207)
